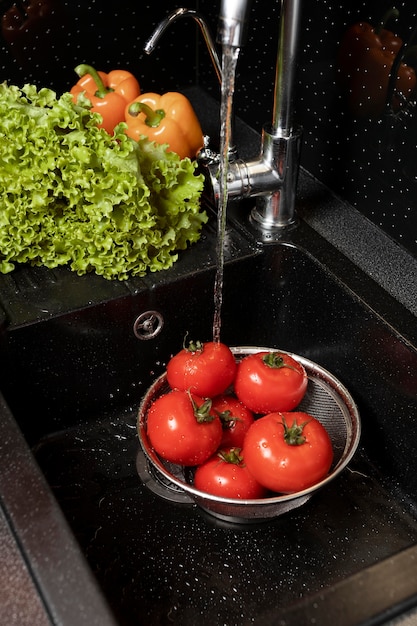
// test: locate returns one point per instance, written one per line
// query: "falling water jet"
(230, 56)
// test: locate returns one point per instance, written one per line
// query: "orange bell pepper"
(366, 57)
(166, 119)
(108, 93)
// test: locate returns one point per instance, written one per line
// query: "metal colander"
(326, 399)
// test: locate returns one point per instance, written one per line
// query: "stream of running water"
(230, 55)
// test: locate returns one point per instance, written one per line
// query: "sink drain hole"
(148, 325)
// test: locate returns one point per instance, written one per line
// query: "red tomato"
(235, 418)
(225, 474)
(288, 452)
(206, 369)
(183, 429)
(270, 381)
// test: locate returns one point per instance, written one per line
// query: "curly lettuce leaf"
(73, 195)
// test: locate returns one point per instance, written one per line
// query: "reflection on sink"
(161, 562)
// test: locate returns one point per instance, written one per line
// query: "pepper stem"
(84, 69)
(392, 13)
(152, 117)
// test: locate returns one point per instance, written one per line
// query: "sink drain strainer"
(148, 325)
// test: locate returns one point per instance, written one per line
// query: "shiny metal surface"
(272, 177)
(232, 28)
(199, 19)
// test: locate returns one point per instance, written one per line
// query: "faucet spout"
(195, 15)
(232, 26)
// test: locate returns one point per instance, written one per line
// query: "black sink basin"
(76, 372)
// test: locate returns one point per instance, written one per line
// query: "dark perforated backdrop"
(372, 164)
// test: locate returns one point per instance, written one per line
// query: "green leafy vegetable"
(72, 194)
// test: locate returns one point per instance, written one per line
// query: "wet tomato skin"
(235, 418)
(285, 468)
(176, 434)
(264, 388)
(226, 479)
(206, 369)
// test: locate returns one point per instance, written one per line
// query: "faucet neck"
(282, 117)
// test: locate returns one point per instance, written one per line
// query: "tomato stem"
(232, 456)
(275, 360)
(293, 435)
(193, 346)
(227, 419)
(202, 413)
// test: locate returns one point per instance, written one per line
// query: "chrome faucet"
(272, 177)
(199, 19)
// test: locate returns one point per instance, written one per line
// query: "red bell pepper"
(30, 23)
(365, 59)
(108, 93)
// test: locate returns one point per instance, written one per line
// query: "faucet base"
(270, 232)
(275, 210)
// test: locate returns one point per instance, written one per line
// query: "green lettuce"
(73, 195)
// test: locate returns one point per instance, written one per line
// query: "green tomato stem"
(293, 435)
(202, 413)
(275, 360)
(231, 456)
